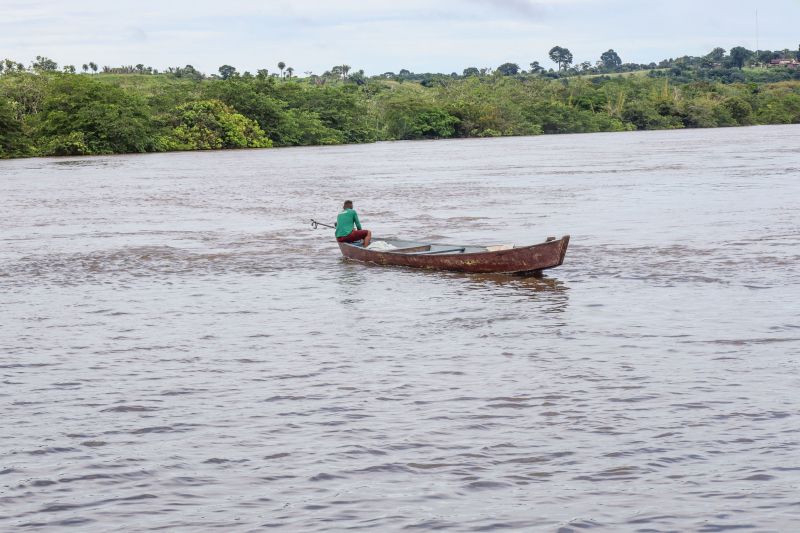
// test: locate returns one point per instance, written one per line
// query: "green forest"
(50, 111)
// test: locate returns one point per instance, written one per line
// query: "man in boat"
(345, 232)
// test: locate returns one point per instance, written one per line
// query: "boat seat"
(499, 247)
(411, 250)
(445, 251)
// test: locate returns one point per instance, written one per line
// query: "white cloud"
(377, 35)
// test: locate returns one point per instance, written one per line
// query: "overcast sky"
(382, 35)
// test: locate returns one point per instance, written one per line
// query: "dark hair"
(348, 204)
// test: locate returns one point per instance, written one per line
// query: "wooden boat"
(502, 259)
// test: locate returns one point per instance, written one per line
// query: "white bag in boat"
(380, 246)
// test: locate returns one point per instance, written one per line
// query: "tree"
(341, 107)
(409, 117)
(739, 109)
(716, 55)
(471, 71)
(140, 68)
(358, 77)
(345, 70)
(186, 72)
(713, 59)
(82, 115)
(508, 69)
(281, 66)
(610, 60)
(85, 67)
(12, 140)
(211, 125)
(536, 67)
(69, 69)
(12, 66)
(289, 72)
(561, 56)
(93, 66)
(739, 55)
(227, 71)
(44, 64)
(257, 100)
(765, 56)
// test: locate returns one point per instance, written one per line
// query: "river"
(179, 350)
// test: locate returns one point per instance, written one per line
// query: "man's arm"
(355, 219)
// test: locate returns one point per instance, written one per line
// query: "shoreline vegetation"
(47, 111)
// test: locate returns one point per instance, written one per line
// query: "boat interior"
(422, 248)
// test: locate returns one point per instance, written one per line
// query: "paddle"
(315, 224)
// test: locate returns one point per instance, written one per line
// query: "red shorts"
(355, 235)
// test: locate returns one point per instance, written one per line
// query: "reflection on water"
(181, 352)
(92, 162)
(531, 284)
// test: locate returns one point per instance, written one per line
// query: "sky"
(382, 35)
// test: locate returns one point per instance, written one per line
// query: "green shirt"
(345, 221)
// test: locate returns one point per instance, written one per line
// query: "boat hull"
(523, 260)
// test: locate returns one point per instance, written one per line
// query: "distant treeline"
(45, 110)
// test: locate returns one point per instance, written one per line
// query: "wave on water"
(179, 351)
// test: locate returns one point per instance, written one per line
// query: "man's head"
(348, 204)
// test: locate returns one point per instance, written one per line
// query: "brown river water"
(180, 351)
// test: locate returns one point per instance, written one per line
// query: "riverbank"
(74, 114)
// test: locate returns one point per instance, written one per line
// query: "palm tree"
(281, 65)
(93, 66)
(85, 67)
(289, 72)
(345, 70)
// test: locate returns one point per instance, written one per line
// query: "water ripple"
(181, 352)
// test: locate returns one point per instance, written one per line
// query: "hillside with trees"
(46, 110)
